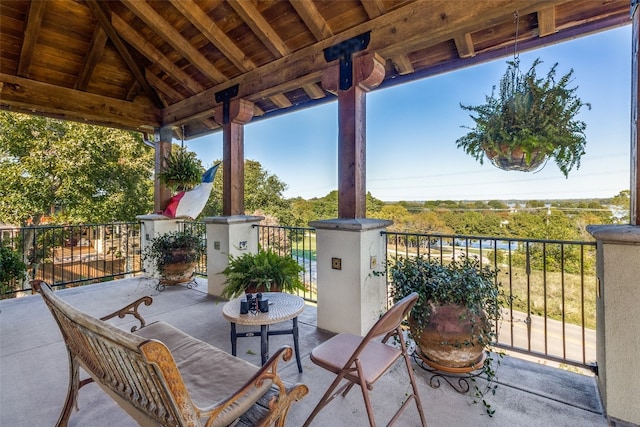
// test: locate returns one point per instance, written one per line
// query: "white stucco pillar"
(155, 225)
(350, 297)
(228, 235)
(618, 320)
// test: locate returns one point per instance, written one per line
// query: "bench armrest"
(131, 309)
(278, 405)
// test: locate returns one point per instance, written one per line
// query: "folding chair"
(362, 360)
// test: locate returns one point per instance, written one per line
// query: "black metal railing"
(551, 285)
(199, 229)
(298, 243)
(73, 255)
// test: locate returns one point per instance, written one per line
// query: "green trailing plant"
(182, 170)
(530, 115)
(12, 269)
(265, 270)
(465, 282)
(177, 246)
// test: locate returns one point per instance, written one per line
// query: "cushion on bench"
(209, 373)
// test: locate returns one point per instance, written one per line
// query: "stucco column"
(154, 225)
(618, 320)
(350, 296)
(228, 235)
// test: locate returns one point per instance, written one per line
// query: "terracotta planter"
(178, 268)
(443, 342)
(515, 159)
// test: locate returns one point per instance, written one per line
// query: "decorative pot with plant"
(264, 271)
(182, 170)
(453, 321)
(175, 256)
(530, 120)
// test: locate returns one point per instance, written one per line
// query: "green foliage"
(75, 172)
(535, 115)
(160, 249)
(182, 170)
(264, 269)
(12, 270)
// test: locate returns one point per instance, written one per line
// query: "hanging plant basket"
(530, 120)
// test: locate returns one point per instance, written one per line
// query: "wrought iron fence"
(552, 284)
(298, 243)
(199, 229)
(73, 255)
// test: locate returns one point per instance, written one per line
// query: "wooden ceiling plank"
(214, 34)
(314, 91)
(173, 37)
(254, 19)
(122, 49)
(148, 50)
(280, 100)
(403, 64)
(311, 16)
(98, 42)
(547, 21)
(34, 21)
(21, 94)
(464, 44)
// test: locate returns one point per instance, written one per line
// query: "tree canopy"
(71, 171)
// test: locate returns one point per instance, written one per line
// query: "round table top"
(282, 306)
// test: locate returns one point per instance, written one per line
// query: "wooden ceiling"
(142, 65)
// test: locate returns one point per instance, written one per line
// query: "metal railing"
(551, 285)
(73, 255)
(199, 229)
(298, 243)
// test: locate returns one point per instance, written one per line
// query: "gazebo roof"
(143, 65)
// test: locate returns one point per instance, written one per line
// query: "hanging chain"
(516, 19)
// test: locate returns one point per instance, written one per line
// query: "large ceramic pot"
(178, 268)
(444, 342)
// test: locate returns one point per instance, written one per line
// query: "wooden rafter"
(171, 36)
(34, 20)
(267, 35)
(464, 44)
(132, 64)
(546, 21)
(96, 48)
(312, 18)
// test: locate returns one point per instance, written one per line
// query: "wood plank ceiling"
(142, 65)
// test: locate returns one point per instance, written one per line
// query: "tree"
(75, 172)
(263, 193)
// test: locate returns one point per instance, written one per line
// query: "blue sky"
(412, 131)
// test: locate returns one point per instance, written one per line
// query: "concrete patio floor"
(33, 370)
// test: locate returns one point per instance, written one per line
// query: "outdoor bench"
(161, 376)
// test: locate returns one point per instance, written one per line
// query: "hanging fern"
(182, 170)
(531, 115)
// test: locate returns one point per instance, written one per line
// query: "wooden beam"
(464, 44)
(34, 21)
(214, 34)
(281, 100)
(546, 21)
(154, 55)
(96, 48)
(312, 19)
(254, 19)
(403, 64)
(170, 35)
(122, 49)
(20, 94)
(314, 91)
(374, 8)
(440, 21)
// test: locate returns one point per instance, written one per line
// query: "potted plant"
(182, 170)
(263, 271)
(12, 269)
(175, 256)
(453, 322)
(530, 120)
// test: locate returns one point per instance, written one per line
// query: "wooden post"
(368, 72)
(162, 194)
(634, 211)
(240, 112)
